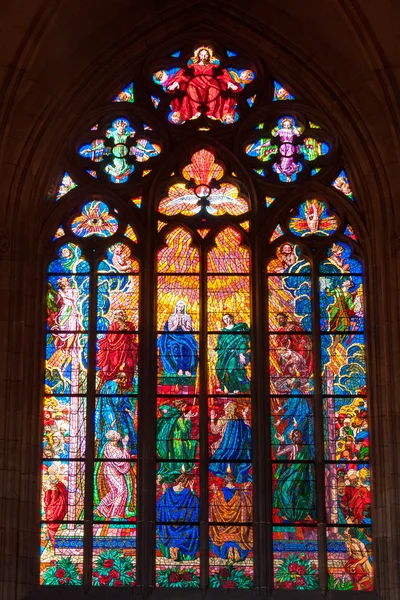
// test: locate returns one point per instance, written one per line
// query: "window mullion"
(262, 490)
(90, 408)
(147, 415)
(319, 431)
(203, 363)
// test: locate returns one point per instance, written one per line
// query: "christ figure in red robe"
(204, 90)
(118, 350)
(299, 342)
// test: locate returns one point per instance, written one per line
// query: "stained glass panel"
(67, 305)
(95, 219)
(228, 256)
(178, 431)
(114, 481)
(117, 303)
(69, 260)
(203, 85)
(291, 424)
(119, 260)
(346, 429)
(178, 303)
(64, 427)
(177, 556)
(231, 556)
(228, 418)
(313, 218)
(293, 484)
(349, 559)
(66, 363)
(63, 490)
(178, 256)
(116, 413)
(295, 558)
(216, 199)
(67, 184)
(114, 555)
(348, 493)
(61, 554)
(178, 360)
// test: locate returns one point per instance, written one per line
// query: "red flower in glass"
(228, 584)
(108, 563)
(60, 573)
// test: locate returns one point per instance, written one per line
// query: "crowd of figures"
(347, 483)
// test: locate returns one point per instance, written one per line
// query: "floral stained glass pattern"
(206, 194)
(120, 147)
(203, 86)
(288, 144)
(295, 558)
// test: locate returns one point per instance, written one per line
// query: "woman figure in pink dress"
(114, 503)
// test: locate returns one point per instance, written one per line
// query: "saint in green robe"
(174, 443)
(232, 344)
(342, 309)
(294, 494)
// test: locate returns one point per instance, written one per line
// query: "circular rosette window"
(96, 219)
(288, 149)
(313, 217)
(118, 149)
(202, 190)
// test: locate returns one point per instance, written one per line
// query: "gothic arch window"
(205, 418)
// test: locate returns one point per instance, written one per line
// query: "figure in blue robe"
(235, 444)
(178, 346)
(178, 512)
(297, 410)
(116, 412)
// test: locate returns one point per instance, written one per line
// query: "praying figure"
(232, 506)
(178, 509)
(178, 346)
(112, 476)
(234, 443)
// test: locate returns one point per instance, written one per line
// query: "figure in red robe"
(355, 500)
(55, 504)
(300, 343)
(117, 351)
(202, 89)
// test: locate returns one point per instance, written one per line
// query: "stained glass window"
(207, 240)
(90, 408)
